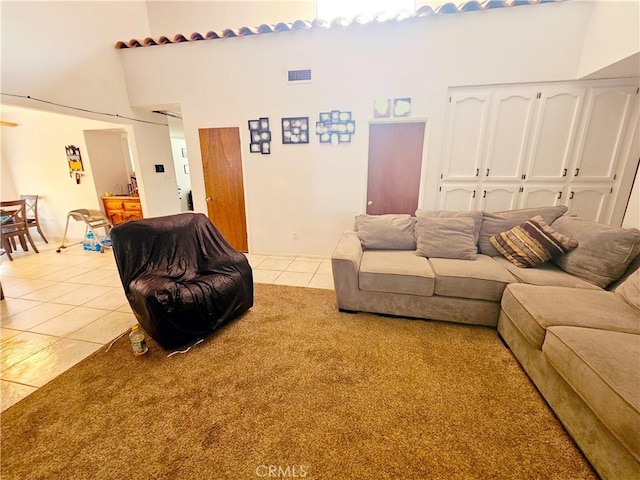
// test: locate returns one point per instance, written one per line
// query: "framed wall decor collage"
(332, 127)
(295, 130)
(260, 136)
(335, 127)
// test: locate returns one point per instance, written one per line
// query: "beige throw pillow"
(386, 232)
(445, 238)
(476, 215)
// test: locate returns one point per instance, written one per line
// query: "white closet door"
(542, 195)
(554, 132)
(495, 198)
(457, 197)
(466, 133)
(509, 131)
(607, 111)
(589, 201)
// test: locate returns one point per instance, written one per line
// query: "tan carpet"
(295, 389)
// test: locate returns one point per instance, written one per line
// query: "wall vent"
(299, 76)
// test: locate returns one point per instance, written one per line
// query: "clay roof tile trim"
(339, 22)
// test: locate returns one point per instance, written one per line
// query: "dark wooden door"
(395, 161)
(224, 186)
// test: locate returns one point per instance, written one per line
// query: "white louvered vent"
(296, 77)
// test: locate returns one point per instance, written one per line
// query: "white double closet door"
(532, 145)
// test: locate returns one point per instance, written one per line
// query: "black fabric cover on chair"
(181, 277)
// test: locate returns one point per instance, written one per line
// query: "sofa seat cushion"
(482, 278)
(546, 274)
(396, 271)
(534, 308)
(603, 367)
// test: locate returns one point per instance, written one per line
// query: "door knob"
(370, 202)
(209, 199)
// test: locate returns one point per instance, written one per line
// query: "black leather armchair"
(182, 279)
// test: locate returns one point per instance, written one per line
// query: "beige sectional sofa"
(572, 322)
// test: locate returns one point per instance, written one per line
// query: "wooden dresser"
(120, 209)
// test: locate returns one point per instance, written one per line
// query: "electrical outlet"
(295, 235)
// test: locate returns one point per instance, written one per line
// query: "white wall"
(108, 161)
(612, 34)
(183, 178)
(169, 18)
(7, 188)
(315, 189)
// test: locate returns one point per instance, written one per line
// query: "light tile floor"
(59, 308)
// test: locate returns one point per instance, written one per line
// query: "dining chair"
(32, 213)
(14, 226)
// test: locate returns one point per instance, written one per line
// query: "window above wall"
(330, 9)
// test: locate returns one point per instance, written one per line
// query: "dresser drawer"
(114, 204)
(132, 205)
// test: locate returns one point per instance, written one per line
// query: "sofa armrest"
(345, 263)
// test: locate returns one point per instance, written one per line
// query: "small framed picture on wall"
(260, 136)
(335, 127)
(295, 130)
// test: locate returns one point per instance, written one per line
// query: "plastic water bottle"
(138, 343)
(106, 242)
(89, 242)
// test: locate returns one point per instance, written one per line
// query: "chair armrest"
(345, 263)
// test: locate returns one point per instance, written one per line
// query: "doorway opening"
(180, 156)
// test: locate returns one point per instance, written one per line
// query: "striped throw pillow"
(532, 243)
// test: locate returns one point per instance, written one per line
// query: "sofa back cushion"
(386, 232)
(446, 237)
(603, 251)
(476, 215)
(498, 222)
